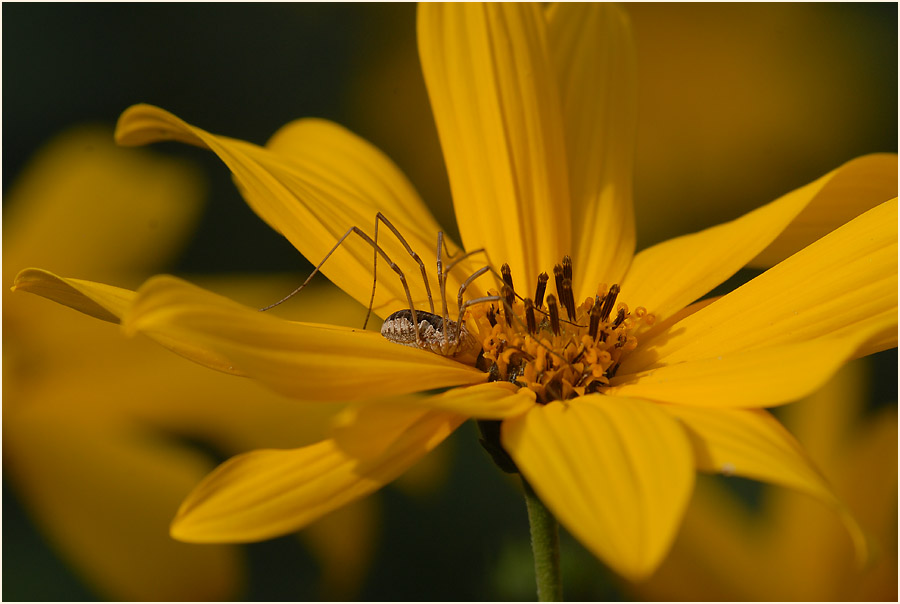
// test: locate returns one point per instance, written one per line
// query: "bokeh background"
(738, 104)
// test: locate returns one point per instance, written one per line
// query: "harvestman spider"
(411, 326)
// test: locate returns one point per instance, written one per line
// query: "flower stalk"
(544, 547)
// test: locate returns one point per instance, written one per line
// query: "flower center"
(555, 347)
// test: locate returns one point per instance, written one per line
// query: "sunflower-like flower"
(607, 395)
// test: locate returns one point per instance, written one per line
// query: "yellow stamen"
(555, 358)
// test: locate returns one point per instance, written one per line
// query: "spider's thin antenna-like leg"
(414, 255)
(374, 274)
(442, 287)
(462, 289)
(379, 251)
(442, 279)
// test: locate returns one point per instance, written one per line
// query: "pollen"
(552, 345)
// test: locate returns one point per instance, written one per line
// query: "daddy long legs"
(412, 326)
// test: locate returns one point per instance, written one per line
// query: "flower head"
(611, 385)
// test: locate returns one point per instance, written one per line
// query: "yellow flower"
(92, 422)
(792, 548)
(609, 394)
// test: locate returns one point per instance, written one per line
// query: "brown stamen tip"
(553, 309)
(492, 315)
(558, 277)
(509, 298)
(506, 273)
(530, 320)
(595, 321)
(619, 318)
(567, 267)
(568, 298)
(609, 301)
(541, 288)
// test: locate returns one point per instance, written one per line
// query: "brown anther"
(558, 278)
(595, 321)
(509, 298)
(553, 309)
(568, 298)
(492, 315)
(609, 301)
(530, 320)
(567, 267)
(541, 288)
(506, 273)
(619, 318)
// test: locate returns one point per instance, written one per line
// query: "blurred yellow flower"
(92, 422)
(791, 548)
(607, 410)
(724, 96)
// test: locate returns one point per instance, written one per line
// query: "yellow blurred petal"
(856, 449)
(718, 542)
(84, 206)
(674, 273)
(594, 58)
(268, 493)
(756, 378)
(104, 302)
(496, 104)
(860, 185)
(616, 472)
(344, 542)
(312, 183)
(844, 284)
(792, 547)
(753, 444)
(302, 360)
(104, 492)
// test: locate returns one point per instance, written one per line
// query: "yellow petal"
(105, 492)
(313, 183)
(593, 54)
(751, 443)
(616, 472)
(674, 273)
(845, 283)
(84, 206)
(756, 378)
(495, 101)
(858, 186)
(302, 360)
(495, 400)
(104, 302)
(268, 493)
(345, 543)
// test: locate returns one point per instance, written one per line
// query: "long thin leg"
(442, 283)
(415, 256)
(462, 289)
(379, 251)
(374, 274)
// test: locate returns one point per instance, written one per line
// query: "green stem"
(545, 546)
